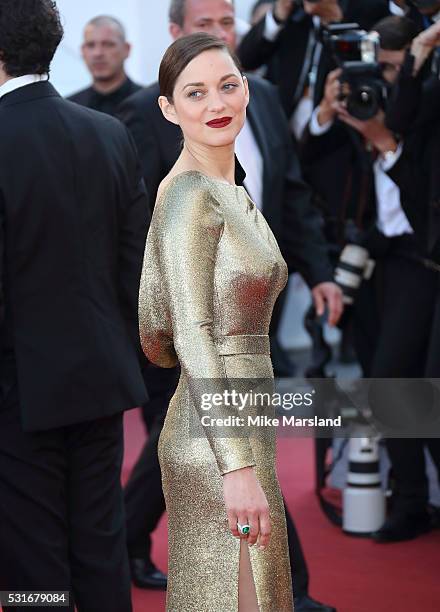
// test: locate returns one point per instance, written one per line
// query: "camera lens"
(363, 103)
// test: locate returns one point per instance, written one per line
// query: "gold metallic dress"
(212, 272)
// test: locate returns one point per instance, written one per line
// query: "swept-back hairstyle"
(181, 53)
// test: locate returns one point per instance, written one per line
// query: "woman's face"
(209, 100)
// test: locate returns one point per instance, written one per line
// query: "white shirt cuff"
(388, 160)
(315, 128)
(271, 27)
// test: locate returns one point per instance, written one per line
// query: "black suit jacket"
(74, 214)
(105, 103)
(414, 113)
(286, 56)
(286, 199)
(339, 168)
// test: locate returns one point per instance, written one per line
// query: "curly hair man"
(73, 222)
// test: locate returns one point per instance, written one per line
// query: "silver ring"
(244, 529)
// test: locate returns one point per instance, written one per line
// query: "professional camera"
(356, 52)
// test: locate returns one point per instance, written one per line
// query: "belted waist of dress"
(241, 345)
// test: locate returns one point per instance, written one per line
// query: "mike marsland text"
(265, 421)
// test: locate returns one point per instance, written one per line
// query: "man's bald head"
(105, 50)
(109, 22)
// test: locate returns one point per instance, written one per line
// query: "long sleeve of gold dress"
(212, 272)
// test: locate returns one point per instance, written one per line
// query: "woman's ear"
(246, 89)
(168, 110)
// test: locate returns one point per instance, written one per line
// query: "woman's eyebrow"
(227, 76)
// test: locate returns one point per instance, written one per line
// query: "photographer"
(345, 160)
(287, 40)
(407, 278)
(415, 111)
(415, 98)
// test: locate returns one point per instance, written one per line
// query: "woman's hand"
(246, 504)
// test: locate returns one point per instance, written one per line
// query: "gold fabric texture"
(212, 272)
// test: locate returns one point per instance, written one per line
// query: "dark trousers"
(300, 571)
(144, 500)
(277, 312)
(409, 347)
(62, 521)
(366, 322)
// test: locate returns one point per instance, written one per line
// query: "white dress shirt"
(249, 156)
(391, 218)
(21, 81)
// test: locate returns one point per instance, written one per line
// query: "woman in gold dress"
(212, 272)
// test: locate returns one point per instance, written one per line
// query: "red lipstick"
(220, 123)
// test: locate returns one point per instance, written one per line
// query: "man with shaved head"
(104, 51)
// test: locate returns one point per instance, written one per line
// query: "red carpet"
(355, 575)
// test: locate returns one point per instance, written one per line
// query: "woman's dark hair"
(181, 53)
(395, 32)
(30, 32)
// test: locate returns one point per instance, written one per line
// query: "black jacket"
(286, 199)
(286, 56)
(414, 113)
(105, 103)
(74, 214)
(340, 170)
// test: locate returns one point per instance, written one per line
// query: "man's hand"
(423, 44)
(327, 10)
(331, 103)
(373, 130)
(330, 294)
(282, 9)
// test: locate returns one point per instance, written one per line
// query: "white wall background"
(146, 22)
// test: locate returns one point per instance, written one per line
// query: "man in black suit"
(73, 219)
(286, 41)
(414, 113)
(274, 181)
(105, 50)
